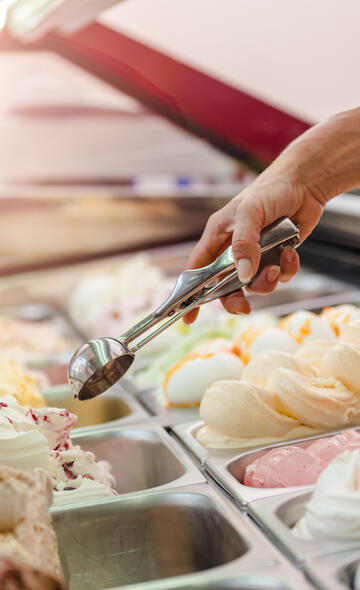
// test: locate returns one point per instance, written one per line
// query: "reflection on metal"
(97, 365)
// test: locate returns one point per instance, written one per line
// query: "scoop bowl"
(97, 365)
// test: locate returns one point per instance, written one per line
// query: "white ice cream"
(186, 383)
(334, 508)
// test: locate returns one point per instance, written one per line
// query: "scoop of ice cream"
(262, 366)
(256, 339)
(111, 301)
(69, 467)
(283, 467)
(23, 339)
(334, 507)
(26, 531)
(340, 315)
(313, 351)
(187, 381)
(32, 438)
(15, 575)
(303, 326)
(327, 448)
(320, 403)
(298, 465)
(342, 362)
(19, 383)
(247, 412)
(88, 490)
(351, 333)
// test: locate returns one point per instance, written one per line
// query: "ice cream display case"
(229, 456)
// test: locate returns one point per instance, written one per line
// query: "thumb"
(246, 240)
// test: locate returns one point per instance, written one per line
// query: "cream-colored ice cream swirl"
(285, 401)
(313, 351)
(244, 414)
(262, 366)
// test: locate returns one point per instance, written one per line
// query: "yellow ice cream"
(294, 404)
(262, 366)
(15, 381)
(239, 412)
(314, 351)
(351, 333)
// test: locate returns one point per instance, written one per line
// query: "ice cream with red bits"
(31, 438)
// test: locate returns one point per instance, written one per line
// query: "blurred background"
(125, 124)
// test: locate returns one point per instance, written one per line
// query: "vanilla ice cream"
(284, 403)
(340, 315)
(20, 383)
(313, 351)
(186, 382)
(303, 326)
(334, 508)
(262, 366)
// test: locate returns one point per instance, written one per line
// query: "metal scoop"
(100, 363)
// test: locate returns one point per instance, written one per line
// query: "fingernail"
(244, 270)
(273, 273)
(289, 255)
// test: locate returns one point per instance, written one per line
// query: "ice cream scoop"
(101, 362)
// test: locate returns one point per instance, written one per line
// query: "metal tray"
(113, 407)
(187, 432)
(278, 514)
(230, 473)
(268, 578)
(179, 534)
(166, 416)
(142, 457)
(335, 571)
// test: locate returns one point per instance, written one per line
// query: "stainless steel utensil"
(100, 363)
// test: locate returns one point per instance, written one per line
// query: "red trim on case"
(233, 119)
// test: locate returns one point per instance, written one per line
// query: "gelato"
(186, 382)
(285, 403)
(23, 339)
(304, 326)
(254, 340)
(333, 510)
(262, 366)
(27, 539)
(19, 383)
(340, 316)
(288, 466)
(110, 302)
(32, 438)
(313, 351)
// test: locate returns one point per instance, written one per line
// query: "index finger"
(214, 240)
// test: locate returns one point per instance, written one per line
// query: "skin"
(320, 164)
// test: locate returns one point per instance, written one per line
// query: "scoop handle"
(198, 286)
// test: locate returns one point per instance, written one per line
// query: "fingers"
(267, 280)
(246, 239)
(190, 317)
(216, 237)
(290, 264)
(236, 303)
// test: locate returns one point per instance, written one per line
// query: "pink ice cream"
(288, 466)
